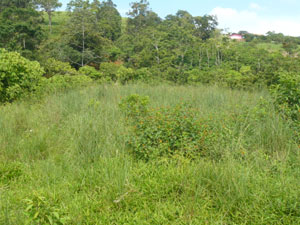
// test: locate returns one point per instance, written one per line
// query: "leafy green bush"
(287, 99)
(58, 82)
(54, 67)
(91, 72)
(40, 210)
(173, 75)
(125, 75)
(109, 70)
(232, 78)
(143, 74)
(196, 75)
(287, 94)
(134, 106)
(18, 76)
(165, 131)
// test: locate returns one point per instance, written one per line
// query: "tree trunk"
(83, 45)
(50, 20)
(207, 57)
(200, 57)
(157, 52)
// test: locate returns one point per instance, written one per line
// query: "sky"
(259, 17)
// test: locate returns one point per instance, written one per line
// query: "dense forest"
(92, 38)
(107, 119)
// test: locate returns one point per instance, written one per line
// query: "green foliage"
(58, 82)
(232, 78)
(144, 74)
(54, 67)
(71, 147)
(205, 26)
(10, 172)
(110, 70)
(20, 27)
(91, 72)
(59, 21)
(74, 143)
(109, 19)
(84, 36)
(124, 75)
(39, 210)
(140, 17)
(49, 7)
(199, 76)
(287, 94)
(134, 105)
(18, 76)
(165, 131)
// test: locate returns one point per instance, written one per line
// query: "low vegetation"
(67, 158)
(144, 120)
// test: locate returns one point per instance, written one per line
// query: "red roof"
(236, 36)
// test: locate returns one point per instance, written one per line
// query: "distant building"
(237, 37)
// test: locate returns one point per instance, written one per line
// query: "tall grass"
(65, 158)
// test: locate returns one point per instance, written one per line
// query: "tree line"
(180, 48)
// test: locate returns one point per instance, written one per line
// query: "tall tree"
(20, 26)
(108, 19)
(4, 4)
(49, 6)
(140, 17)
(205, 26)
(85, 37)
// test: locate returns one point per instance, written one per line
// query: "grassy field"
(272, 47)
(64, 160)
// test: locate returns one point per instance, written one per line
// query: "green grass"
(270, 47)
(65, 158)
(124, 24)
(59, 22)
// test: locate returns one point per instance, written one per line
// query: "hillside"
(59, 21)
(145, 120)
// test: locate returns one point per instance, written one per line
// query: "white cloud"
(252, 22)
(255, 6)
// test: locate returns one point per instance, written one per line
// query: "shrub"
(54, 67)
(109, 70)
(235, 79)
(165, 131)
(91, 72)
(125, 75)
(174, 75)
(58, 82)
(18, 76)
(135, 106)
(196, 75)
(143, 74)
(287, 94)
(42, 210)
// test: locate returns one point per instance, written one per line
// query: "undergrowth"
(211, 156)
(164, 131)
